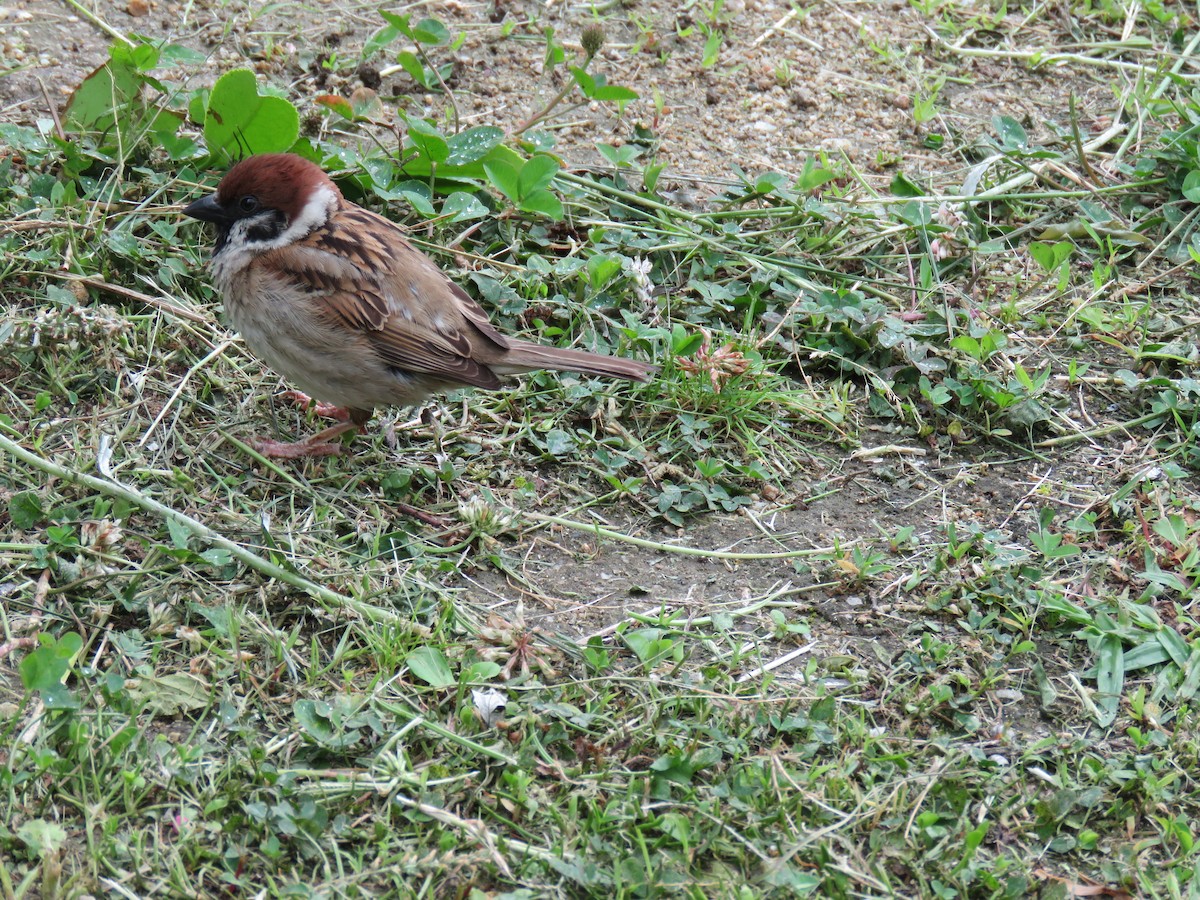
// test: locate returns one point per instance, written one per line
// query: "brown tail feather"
(526, 357)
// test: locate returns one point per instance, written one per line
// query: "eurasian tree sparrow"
(336, 300)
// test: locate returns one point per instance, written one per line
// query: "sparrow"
(335, 299)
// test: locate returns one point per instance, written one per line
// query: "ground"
(837, 79)
(892, 552)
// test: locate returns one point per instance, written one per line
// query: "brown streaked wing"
(372, 280)
(439, 354)
(476, 316)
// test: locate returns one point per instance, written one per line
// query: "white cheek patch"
(314, 214)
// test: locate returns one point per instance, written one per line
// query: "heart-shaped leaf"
(537, 174)
(240, 122)
(473, 144)
(105, 98)
(543, 202)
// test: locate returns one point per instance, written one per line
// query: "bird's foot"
(323, 443)
(324, 410)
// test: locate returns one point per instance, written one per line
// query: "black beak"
(207, 209)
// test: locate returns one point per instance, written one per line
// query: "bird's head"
(267, 201)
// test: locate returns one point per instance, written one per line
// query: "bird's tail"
(523, 356)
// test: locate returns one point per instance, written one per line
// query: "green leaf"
(1191, 677)
(416, 70)
(398, 22)
(430, 31)
(1026, 414)
(217, 557)
(380, 39)
(609, 152)
(1191, 186)
(537, 174)
(712, 48)
(601, 268)
(180, 534)
(45, 669)
(560, 443)
(473, 144)
(1110, 677)
(143, 57)
(315, 718)
(812, 176)
(649, 644)
(105, 99)
(587, 84)
(462, 207)
(684, 343)
(164, 125)
(27, 140)
(197, 107)
(1056, 603)
(25, 510)
(504, 177)
(1174, 644)
(614, 92)
(239, 122)
(1050, 256)
(430, 665)
(903, 186)
(674, 767)
(1051, 545)
(171, 55)
(482, 672)
(428, 140)
(545, 203)
(420, 203)
(1012, 135)
(676, 826)
(650, 176)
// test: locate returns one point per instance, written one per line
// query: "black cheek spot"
(266, 228)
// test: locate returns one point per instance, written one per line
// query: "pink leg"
(323, 443)
(324, 410)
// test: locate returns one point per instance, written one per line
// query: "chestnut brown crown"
(281, 181)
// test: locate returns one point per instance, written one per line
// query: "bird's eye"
(249, 204)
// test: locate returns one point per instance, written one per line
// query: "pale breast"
(281, 325)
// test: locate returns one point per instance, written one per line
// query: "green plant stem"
(445, 89)
(631, 199)
(99, 23)
(329, 599)
(1042, 58)
(770, 600)
(1098, 432)
(549, 107)
(416, 719)
(600, 531)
